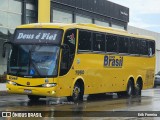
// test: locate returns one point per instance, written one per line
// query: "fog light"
(8, 89)
(12, 83)
(53, 92)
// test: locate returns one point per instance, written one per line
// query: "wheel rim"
(138, 89)
(129, 90)
(76, 93)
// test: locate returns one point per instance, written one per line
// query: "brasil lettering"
(113, 61)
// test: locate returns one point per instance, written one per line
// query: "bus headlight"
(12, 83)
(49, 85)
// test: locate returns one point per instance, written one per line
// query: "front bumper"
(40, 91)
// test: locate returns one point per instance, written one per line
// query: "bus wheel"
(130, 88)
(33, 97)
(138, 89)
(77, 94)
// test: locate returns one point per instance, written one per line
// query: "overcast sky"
(143, 13)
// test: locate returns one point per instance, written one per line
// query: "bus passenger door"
(67, 57)
(68, 52)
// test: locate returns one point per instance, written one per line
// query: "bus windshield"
(33, 60)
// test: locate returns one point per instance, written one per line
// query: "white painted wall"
(3, 87)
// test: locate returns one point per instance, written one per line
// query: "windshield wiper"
(31, 63)
(35, 67)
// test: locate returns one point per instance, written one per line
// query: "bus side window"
(151, 48)
(111, 43)
(144, 47)
(150, 51)
(134, 46)
(68, 51)
(70, 40)
(123, 44)
(84, 41)
(98, 42)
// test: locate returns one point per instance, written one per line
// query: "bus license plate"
(28, 91)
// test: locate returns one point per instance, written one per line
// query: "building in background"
(100, 12)
(17, 12)
(12, 14)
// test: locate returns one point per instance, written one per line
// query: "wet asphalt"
(94, 107)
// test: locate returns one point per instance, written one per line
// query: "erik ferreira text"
(147, 114)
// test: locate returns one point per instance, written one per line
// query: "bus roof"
(85, 26)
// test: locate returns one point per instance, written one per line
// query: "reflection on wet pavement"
(100, 103)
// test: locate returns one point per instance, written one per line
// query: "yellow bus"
(55, 59)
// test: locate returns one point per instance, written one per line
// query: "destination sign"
(38, 36)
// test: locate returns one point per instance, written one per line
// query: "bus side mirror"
(4, 49)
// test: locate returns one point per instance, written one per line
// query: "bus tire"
(130, 88)
(138, 89)
(33, 97)
(77, 94)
